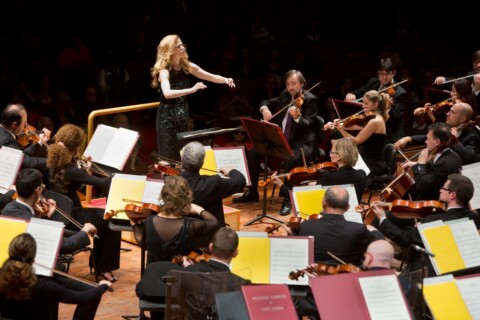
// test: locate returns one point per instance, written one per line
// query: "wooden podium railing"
(103, 112)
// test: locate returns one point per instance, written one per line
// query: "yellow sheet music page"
(123, 186)
(442, 243)
(10, 229)
(209, 163)
(308, 202)
(445, 301)
(253, 255)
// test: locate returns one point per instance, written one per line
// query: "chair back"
(63, 203)
(231, 306)
(151, 284)
(390, 159)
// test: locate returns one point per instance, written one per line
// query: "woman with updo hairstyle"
(67, 178)
(173, 230)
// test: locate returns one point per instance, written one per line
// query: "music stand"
(267, 138)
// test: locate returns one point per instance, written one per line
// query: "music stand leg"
(264, 214)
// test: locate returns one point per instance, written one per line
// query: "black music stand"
(267, 138)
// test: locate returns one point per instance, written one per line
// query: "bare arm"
(175, 93)
(204, 75)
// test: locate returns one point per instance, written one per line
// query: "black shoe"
(248, 196)
(286, 208)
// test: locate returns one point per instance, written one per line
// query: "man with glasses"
(456, 193)
(385, 79)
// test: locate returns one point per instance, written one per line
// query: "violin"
(438, 108)
(293, 224)
(297, 100)
(165, 169)
(192, 257)
(358, 119)
(29, 135)
(405, 209)
(135, 213)
(326, 166)
(300, 175)
(324, 269)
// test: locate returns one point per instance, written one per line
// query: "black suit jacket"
(467, 146)
(34, 155)
(209, 191)
(76, 241)
(346, 239)
(303, 132)
(395, 128)
(411, 236)
(430, 177)
(345, 175)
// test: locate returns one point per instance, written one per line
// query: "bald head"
(335, 200)
(379, 254)
(459, 113)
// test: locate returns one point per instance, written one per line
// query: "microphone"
(422, 250)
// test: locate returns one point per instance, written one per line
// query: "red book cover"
(272, 301)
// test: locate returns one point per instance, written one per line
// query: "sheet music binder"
(345, 109)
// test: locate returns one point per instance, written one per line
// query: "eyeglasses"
(446, 189)
(333, 152)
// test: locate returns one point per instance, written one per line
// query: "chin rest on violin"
(325, 269)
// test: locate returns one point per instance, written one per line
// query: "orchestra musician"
(209, 191)
(371, 139)
(67, 178)
(385, 78)
(13, 123)
(475, 69)
(171, 231)
(468, 141)
(171, 76)
(29, 189)
(434, 163)
(345, 239)
(297, 125)
(24, 295)
(7, 197)
(456, 192)
(344, 154)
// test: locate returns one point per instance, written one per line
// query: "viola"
(29, 135)
(326, 166)
(165, 169)
(324, 269)
(136, 213)
(293, 224)
(299, 175)
(192, 257)
(406, 209)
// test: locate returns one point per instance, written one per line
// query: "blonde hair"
(17, 277)
(177, 196)
(347, 150)
(165, 49)
(382, 99)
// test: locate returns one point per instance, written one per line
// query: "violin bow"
(293, 100)
(453, 80)
(336, 258)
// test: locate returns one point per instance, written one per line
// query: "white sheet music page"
(10, 162)
(472, 171)
(120, 148)
(151, 193)
(98, 144)
(384, 298)
(468, 241)
(286, 255)
(48, 236)
(233, 158)
(470, 290)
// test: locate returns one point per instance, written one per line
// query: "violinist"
(29, 189)
(209, 191)
(24, 295)
(468, 141)
(434, 163)
(371, 139)
(475, 69)
(66, 178)
(297, 123)
(456, 192)
(385, 78)
(13, 122)
(344, 154)
(172, 232)
(333, 233)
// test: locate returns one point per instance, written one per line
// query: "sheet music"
(468, 242)
(286, 255)
(470, 290)
(472, 171)
(384, 298)
(99, 142)
(48, 235)
(361, 165)
(151, 193)
(232, 158)
(10, 162)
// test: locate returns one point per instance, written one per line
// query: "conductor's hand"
(401, 143)
(229, 82)
(199, 86)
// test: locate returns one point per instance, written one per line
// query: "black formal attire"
(467, 146)
(5, 198)
(411, 235)
(35, 155)
(106, 248)
(372, 151)
(47, 293)
(430, 177)
(300, 135)
(216, 266)
(346, 239)
(343, 175)
(68, 245)
(172, 117)
(395, 126)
